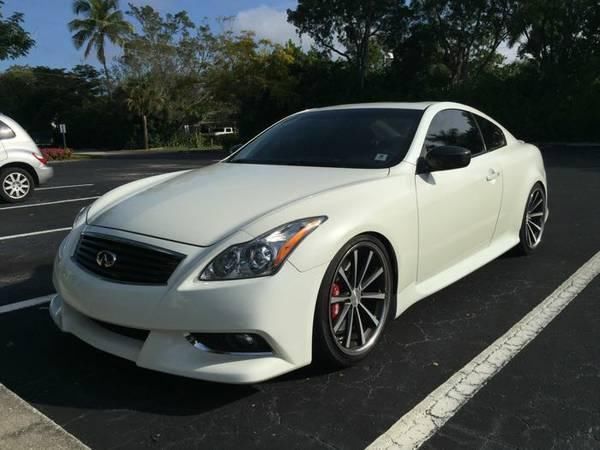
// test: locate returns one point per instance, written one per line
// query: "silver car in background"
(22, 165)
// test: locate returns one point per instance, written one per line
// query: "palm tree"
(102, 20)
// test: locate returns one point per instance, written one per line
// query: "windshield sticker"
(381, 157)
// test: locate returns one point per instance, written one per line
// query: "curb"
(23, 426)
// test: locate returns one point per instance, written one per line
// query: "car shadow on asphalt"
(52, 369)
(35, 284)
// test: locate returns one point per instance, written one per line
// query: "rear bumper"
(44, 173)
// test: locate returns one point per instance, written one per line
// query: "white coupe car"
(302, 245)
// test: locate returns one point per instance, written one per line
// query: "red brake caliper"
(336, 308)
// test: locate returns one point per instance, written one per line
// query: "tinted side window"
(454, 127)
(5, 131)
(492, 135)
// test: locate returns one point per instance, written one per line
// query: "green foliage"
(190, 140)
(466, 33)
(39, 96)
(557, 33)
(175, 72)
(353, 23)
(162, 69)
(14, 40)
(252, 80)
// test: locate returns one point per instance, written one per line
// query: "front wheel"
(355, 302)
(16, 185)
(534, 221)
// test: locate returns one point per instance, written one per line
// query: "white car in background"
(225, 131)
(304, 244)
(22, 165)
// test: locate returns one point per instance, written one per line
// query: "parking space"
(547, 396)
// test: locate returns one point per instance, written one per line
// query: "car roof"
(387, 105)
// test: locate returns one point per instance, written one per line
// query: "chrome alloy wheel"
(16, 185)
(359, 298)
(535, 217)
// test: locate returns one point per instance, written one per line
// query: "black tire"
(330, 350)
(12, 177)
(529, 239)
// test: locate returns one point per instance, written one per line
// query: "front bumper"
(168, 351)
(279, 308)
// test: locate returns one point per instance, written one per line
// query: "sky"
(47, 20)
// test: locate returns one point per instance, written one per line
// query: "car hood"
(203, 206)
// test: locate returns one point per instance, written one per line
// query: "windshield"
(357, 138)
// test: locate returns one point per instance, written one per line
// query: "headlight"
(262, 256)
(81, 216)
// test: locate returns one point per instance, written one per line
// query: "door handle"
(492, 175)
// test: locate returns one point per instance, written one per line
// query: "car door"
(458, 209)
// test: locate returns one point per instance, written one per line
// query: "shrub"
(227, 141)
(187, 140)
(54, 153)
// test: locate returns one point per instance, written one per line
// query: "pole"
(63, 131)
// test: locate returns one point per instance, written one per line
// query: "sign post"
(63, 130)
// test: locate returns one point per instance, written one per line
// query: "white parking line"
(63, 187)
(25, 304)
(34, 233)
(31, 205)
(425, 419)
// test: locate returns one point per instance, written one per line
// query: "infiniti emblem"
(106, 259)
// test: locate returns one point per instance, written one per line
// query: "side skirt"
(415, 292)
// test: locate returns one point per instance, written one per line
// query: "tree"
(557, 34)
(252, 81)
(162, 68)
(103, 21)
(467, 33)
(14, 40)
(38, 96)
(351, 23)
(144, 97)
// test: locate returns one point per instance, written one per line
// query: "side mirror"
(234, 148)
(446, 157)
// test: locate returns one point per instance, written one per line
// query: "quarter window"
(6, 132)
(492, 135)
(454, 127)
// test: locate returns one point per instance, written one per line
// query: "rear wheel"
(534, 221)
(16, 184)
(355, 302)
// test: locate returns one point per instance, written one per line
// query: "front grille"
(134, 333)
(134, 262)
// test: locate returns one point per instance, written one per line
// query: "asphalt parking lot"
(548, 396)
